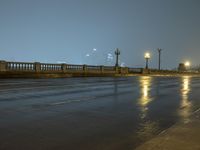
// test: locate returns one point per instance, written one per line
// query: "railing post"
(63, 67)
(141, 70)
(121, 70)
(126, 70)
(102, 69)
(37, 67)
(3, 65)
(116, 69)
(145, 71)
(85, 68)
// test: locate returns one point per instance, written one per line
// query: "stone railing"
(168, 72)
(163, 71)
(50, 67)
(37, 67)
(66, 68)
(134, 70)
(19, 66)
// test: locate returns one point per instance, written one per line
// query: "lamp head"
(147, 55)
(187, 63)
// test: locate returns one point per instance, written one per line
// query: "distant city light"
(109, 56)
(87, 55)
(94, 49)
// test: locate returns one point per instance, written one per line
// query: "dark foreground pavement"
(95, 113)
(181, 136)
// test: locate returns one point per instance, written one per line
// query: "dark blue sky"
(88, 31)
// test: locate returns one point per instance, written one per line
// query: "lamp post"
(159, 57)
(117, 53)
(187, 65)
(147, 57)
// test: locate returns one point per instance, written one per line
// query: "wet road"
(92, 113)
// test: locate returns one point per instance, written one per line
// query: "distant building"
(181, 67)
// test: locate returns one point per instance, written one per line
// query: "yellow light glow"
(185, 103)
(187, 63)
(145, 83)
(147, 55)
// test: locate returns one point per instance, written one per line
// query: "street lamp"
(147, 57)
(117, 53)
(187, 65)
(159, 59)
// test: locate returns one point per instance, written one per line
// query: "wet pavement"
(182, 136)
(92, 113)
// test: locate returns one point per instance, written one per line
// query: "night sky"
(88, 31)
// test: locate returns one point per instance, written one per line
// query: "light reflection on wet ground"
(92, 113)
(185, 105)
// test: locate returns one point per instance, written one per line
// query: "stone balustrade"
(50, 67)
(18, 66)
(134, 70)
(66, 68)
(37, 68)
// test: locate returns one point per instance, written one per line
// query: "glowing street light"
(187, 65)
(147, 56)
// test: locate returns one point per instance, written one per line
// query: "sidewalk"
(182, 136)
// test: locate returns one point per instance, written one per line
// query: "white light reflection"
(145, 84)
(185, 103)
(147, 128)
